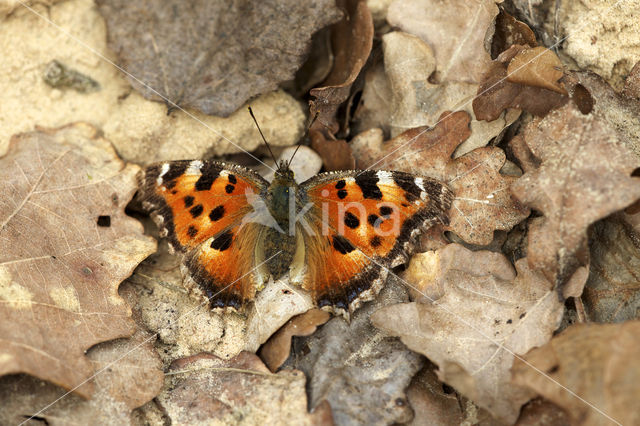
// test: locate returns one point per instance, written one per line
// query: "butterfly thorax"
(280, 242)
(281, 195)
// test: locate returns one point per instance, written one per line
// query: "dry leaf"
(612, 292)
(276, 350)
(374, 108)
(351, 39)
(359, 370)
(482, 204)
(510, 31)
(585, 175)
(537, 67)
(632, 83)
(65, 246)
(335, 154)
(477, 311)
(130, 374)
(456, 30)
(599, 98)
(212, 56)
(421, 150)
(431, 404)
(498, 92)
(542, 412)
(416, 101)
(204, 390)
(600, 363)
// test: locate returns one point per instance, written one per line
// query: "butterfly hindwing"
(199, 206)
(365, 222)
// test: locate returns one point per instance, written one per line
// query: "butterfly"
(336, 235)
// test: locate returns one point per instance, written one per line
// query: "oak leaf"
(130, 375)
(584, 175)
(531, 84)
(276, 350)
(487, 312)
(600, 363)
(612, 291)
(211, 55)
(360, 371)
(65, 246)
(204, 388)
(456, 30)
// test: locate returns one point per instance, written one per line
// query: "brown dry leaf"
(421, 150)
(510, 31)
(435, 403)
(592, 94)
(612, 292)
(374, 109)
(212, 56)
(352, 39)
(538, 67)
(276, 350)
(482, 204)
(598, 362)
(360, 371)
(130, 375)
(478, 311)
(456, 30)
(65, 246)
(415, 101)
(585, 175)
(498, 91)
(335, 154)
(539, 412)
(204, 389)
(632, 83)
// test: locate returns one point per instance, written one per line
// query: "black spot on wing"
(232, 179)
(176, 170)
(374, 220)
(408, 184)
(229, 189)
(342, 194)
(342, 245)
(368, 183)
(210, 173)
(375, 241)
(196, 211)
(192, 231)
(351, 220)
(216, 213)
(188, 201)
(341, 184)
(386, 211)
(222, 242)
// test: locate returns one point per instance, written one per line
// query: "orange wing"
(200, 206)
(361, 224)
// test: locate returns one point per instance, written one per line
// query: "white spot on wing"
(420, 183)
(384, 178)
(194, 168)
(163, 171)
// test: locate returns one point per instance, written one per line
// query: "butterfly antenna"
(313, 120)
(263, 138)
